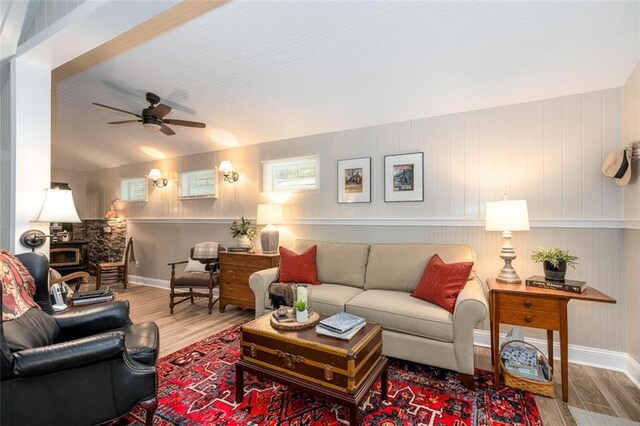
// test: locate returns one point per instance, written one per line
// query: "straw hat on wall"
(618, 166)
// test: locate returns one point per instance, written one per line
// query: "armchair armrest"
(93, 319)
(84, 275)
(470, 309)
(259, 283)
(76, 353)
(177, 263)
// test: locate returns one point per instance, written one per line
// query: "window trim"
(267, 183)
(130, 179)
(198, 197)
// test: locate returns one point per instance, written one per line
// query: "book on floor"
(341, 323)
(572, 286)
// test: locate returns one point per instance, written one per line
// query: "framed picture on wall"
(403, 177)
(354, 180)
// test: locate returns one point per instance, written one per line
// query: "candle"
(302, 294)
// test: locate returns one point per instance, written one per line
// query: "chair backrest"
(38, 266)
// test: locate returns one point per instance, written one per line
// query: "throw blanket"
(208, 250)
(280, 294)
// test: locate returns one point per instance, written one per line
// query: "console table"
(526, 306)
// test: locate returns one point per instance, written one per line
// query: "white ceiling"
(263, 71)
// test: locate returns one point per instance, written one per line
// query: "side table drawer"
(528, 303)
(536, 319)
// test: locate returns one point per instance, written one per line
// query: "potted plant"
(554, 261)
(302, 315)
(243, 231)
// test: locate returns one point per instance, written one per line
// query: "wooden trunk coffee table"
(340, 371)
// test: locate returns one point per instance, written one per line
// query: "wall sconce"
(58, 207)
(157, 178)
(112, 213)
(227, 170)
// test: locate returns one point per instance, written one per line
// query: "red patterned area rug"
(196, 387)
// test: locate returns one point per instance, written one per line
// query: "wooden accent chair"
(121, 267)
(207, 279)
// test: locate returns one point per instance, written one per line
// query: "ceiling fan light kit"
(152, 117)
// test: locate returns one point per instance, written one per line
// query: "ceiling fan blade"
(166, 130)
(161, 110)
(117, 109)
(125, 122)
(185, 123)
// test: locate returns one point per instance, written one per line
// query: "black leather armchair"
(96, 366)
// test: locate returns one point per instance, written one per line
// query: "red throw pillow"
(442, 282)
(299, 268)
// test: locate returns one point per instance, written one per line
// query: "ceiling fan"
(153, 116)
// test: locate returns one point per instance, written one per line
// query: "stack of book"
(284, 316)
(92, 296)
(571, 286)
(342, 326)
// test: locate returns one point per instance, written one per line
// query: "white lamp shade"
(226, 166)
(269, 214)
(58, 206)
(154, 174)
(507, 215)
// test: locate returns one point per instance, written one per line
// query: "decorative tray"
(314, 319)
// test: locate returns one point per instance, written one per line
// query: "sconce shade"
(269, 214)
(58, 206)
(226, 166)
(507, 215)
(154, 174)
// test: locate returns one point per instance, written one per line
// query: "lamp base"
(507, 274)
(269, 239)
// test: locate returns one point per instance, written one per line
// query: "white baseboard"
(583, 355)
(163, 284)
(633, 370)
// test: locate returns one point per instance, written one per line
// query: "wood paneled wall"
(48, 13)
(548, 152)
(591, 324)
(632, 213)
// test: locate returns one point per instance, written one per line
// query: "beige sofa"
(375, 281)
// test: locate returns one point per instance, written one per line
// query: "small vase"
(243, 241)
(555, 274)
(302, 316)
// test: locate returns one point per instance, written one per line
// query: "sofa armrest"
(259, 283)
(470, 309)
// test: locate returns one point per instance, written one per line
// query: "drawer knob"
(528, 318)
(527, 303)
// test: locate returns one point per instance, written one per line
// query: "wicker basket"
(538, 387)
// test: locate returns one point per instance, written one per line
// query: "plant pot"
(302, 316)
(555, 274)
(243, 241)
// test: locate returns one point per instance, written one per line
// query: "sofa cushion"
(339, 263)
(442, 282)
(298, 268)
(330, 299)
(399, 266)
(398, 311)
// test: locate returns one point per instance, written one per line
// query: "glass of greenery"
(554, 262)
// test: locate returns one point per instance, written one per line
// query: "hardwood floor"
(592, 389)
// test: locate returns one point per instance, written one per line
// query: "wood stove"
(69, 256)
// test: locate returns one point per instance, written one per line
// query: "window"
(133, 189)
(291, 174)
(199, 184)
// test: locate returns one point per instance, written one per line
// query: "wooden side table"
(519, 304)
(235, 269)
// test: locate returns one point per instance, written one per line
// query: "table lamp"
(58, 207)
(270, 215)
(507, 216)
